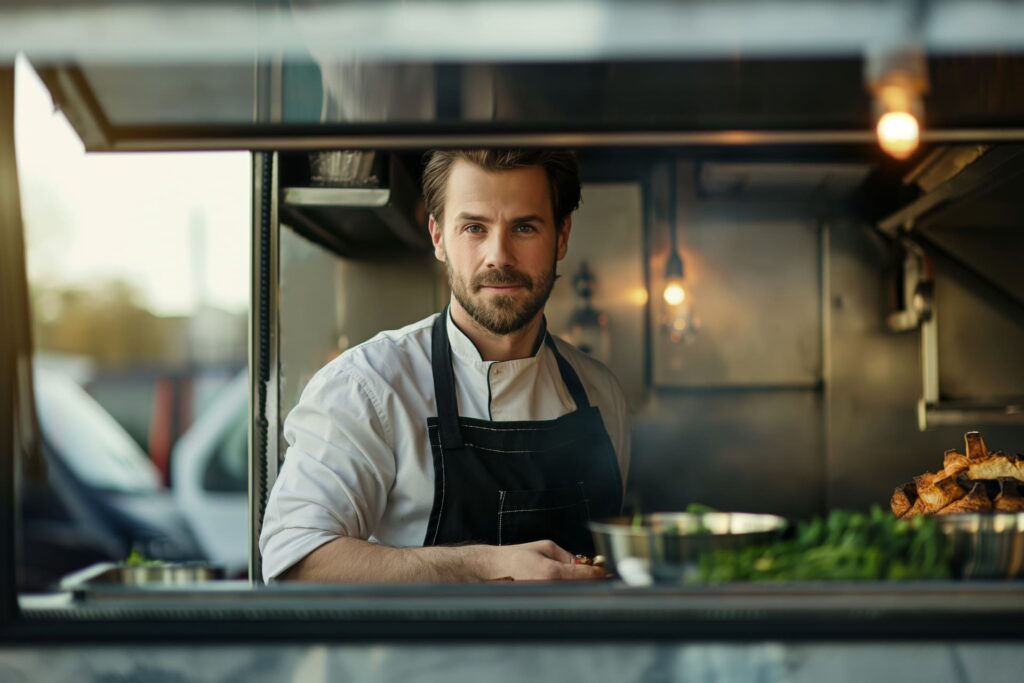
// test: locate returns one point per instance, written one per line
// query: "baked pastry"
(1009, 498)
(939, 493)
(976, 500)
(903, 498)
(973, 481)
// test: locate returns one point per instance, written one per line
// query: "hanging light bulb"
(897, 80)
(898, 133)
(675, 292)
(679, 322)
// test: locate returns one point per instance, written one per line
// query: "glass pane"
(94, 446)
(138, 277)
(227, 470)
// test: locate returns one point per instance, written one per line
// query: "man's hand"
(536, 561)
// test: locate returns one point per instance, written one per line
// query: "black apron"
(501, 483)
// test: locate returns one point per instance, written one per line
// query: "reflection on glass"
(138, 278)
(91, 443)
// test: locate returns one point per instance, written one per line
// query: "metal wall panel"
(608, 235)
(753, 277)
(737, 418)
(981, 345)
(754, 451)
(798, 452)
(873, 379)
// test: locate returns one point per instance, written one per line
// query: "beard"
(502, 314)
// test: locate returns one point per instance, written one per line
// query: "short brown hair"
(560, 166)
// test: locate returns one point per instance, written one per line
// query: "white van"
(209, 474)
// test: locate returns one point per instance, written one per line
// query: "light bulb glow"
(674, 294)
(637, 296)
(898, 133)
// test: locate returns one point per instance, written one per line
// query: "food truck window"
(793, 384)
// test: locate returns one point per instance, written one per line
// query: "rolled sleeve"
(337, 472)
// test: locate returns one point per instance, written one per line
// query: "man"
(472, 445)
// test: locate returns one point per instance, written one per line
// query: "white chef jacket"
(359, 462)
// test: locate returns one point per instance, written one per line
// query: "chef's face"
(499, 243)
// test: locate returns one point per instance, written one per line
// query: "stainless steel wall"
(752, 277)
(735, 418)
(756, 451)
(608, 234)
(873, 378)
(850, 442)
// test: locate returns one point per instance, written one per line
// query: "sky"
(173, 224)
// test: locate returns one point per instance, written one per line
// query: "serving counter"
(226, 611)
(935, 631)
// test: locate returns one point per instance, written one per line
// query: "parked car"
(209, 471)
(101, 497)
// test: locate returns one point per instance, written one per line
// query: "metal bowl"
(986, 546)
(665, 547)
(163, 574)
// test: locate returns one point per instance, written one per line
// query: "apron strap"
(444, 385)
(569, 376)
(444, 382)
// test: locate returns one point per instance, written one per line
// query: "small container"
(343, 168)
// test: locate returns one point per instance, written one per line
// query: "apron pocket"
(560, 515)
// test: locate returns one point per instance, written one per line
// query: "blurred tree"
(107, 321)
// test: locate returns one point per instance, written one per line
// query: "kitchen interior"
(804, 313)
(804, 378)
(828, 346)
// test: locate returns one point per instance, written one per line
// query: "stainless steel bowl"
(666, 546)
(163, 574)
(986, 546)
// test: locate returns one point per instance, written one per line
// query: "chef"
(472, 445)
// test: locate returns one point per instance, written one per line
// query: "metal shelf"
(326, 197)
(969, 414)
(359, 222)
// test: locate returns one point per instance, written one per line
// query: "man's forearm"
(355, 560)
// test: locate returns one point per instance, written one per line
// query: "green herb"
(845, 546)
(135, 559)
(697, 510)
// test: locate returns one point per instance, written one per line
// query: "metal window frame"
(10, 232)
